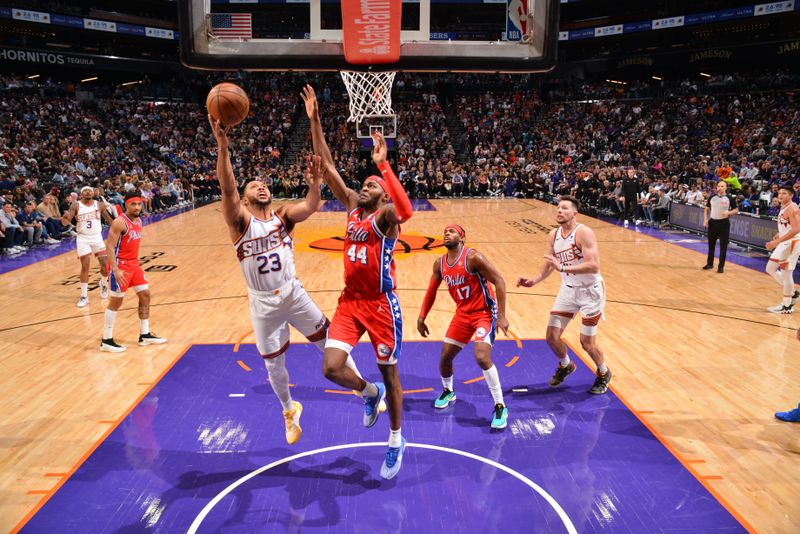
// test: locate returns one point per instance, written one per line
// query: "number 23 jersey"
(368, 257)
(266, 254)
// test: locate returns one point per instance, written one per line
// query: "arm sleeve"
(396, 192)
(430, 296)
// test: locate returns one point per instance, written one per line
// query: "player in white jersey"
(785, 246)
(574, 253)
(88, 212)
(262, 237)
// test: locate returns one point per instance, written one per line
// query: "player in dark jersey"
(467, 275)
(368, 302)
(122, 245)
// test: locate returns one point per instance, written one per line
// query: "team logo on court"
(481, 332)
(405, 244)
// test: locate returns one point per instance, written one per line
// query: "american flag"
(232, 25)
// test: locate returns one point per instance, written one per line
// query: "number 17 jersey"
(368, 257)
(470, 291)
(266, 254)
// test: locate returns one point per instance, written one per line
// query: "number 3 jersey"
(266, 254)
(368, 257)
(470, 291)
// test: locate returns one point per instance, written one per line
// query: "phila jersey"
(266, 254)
(88, 220)
(470, 291)
(784, 224)
(368, 257)
(569, 254)
(128, 244)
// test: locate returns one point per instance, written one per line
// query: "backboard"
(306, 35)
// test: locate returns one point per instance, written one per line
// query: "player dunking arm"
(123, 241)
(90, 239)
(368, 302)
(574, 253)
(466, 272)
(785, 246)
(264, 247)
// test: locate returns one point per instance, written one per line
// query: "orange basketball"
(228, 103)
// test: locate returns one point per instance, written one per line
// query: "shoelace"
(498, 411)
(391, 456)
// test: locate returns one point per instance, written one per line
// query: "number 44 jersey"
(266, 254)
(368, 257)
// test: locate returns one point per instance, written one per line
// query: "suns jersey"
(128, 244)
(266, 254)
(368, 257)
(784, 224)
(569, 254)
(88, 220)
(470, 291)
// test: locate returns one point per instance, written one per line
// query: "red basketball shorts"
(481, 324)
(380, 318)
(134, 277)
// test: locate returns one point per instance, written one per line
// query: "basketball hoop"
(370, 93)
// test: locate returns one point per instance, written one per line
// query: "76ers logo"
(133, 235)
(356, 234)
(383, 351)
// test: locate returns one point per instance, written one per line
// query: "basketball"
(228, 103)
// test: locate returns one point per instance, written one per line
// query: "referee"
(715, 217)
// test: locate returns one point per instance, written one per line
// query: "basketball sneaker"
(445, 399)
(150, 339)
(795, 297)
(780, 308)
(600, 385)
(371, 405)
(792, 416)
(109, 345)
(83, 302)
(393, 460)
(562, 373)
(103, 288)
(500, 418)
(292, 418)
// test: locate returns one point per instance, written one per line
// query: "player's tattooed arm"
(115, 232)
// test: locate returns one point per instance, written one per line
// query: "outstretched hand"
(379, 150)
(310, 99)
(315, 171)
(525, 282)
(220, 132)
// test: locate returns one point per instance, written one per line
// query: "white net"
(370, 93)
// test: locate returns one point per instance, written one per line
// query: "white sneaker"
(83, 302)
(780, 308)
(109, 345)
(51, 241)
(150, 339)
(103, 290)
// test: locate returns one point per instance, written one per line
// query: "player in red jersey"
(122, 245)
(467, 275)
(368, 302)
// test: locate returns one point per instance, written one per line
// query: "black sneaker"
(562, 373)
(707, 267)
(109, 345)
(721, 270)
(150, 339)
(600, 385)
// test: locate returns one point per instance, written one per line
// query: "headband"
(378, 180)
(85, 187)
(458, 229)
(133, 199)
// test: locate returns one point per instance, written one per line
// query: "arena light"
(131, 83)
(705, 74)
(33, 77)
(617, 82)
(657, 78)
(93, 78)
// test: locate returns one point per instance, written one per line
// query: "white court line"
(519, 476)
(236, 395)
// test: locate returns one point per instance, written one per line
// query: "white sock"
(395, 438)
(370, 391)
(144, 326)
(447, 382)
(351, 363)
(108, 324)
(493, 381)
(563, 362)
(103, 281)
(84, 289)
(279, 379)
(602, 368)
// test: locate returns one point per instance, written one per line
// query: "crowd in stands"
(623, 149)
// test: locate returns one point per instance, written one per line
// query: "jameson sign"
(48, 57)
